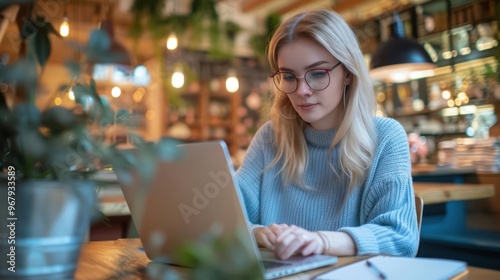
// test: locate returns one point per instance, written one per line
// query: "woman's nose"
(303, 89)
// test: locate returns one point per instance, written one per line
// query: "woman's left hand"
(296, 240)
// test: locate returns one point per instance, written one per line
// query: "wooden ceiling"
(293, 5)
(353, 11)
(85, 15)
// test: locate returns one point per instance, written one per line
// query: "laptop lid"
(191, 196)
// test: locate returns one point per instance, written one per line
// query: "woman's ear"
(348, 79)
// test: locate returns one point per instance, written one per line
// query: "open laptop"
(191, 195)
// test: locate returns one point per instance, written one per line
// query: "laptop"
(195, 194)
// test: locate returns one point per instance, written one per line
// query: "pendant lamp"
(396, 58)
(118, 53)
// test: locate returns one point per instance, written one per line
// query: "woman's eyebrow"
(315, 64)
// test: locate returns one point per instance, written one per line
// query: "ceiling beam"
(342, 5)
(294, 6)
(250, 5)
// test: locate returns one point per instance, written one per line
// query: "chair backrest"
(419, 206)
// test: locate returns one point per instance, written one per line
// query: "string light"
(116, 92)
(178, 79)
(71, 94)
(64, 27)
(172, 41)
(232, 83)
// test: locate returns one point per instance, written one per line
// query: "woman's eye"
(289, 77)
(318, 74)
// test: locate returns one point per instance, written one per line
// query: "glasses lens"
(285, 82)
(318, 79)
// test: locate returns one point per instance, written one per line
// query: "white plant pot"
(42, 233)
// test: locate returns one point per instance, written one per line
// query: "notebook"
(392, 267)
(191, 195)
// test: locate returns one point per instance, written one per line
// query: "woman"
(325, 176)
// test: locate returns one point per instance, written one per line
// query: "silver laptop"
(191, 196)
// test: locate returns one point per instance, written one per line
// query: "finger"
(266, 242)
(283, 226)
(285, 233)
(293, 245)
(283, 247)
(265, 238)
(313, 247)
(276, 229)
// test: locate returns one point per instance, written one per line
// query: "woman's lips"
(307, 106)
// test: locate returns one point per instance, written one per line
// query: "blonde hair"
(355, 135)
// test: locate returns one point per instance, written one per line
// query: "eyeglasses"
(316, 79)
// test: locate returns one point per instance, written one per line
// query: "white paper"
(398, 268)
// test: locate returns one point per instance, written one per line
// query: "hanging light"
(172, 41)
(64, 27)
(396, 58)
(178, 78)
(71, 94)
(123, 57)
(116, 92)
(232, 83)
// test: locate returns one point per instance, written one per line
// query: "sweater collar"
(321, 138)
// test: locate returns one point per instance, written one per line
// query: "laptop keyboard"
(272, 264)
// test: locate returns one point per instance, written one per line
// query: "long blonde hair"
(356, 134)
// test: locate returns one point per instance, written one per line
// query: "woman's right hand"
(266, 236)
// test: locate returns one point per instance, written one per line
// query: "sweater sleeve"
(249, 174)
(388, 215)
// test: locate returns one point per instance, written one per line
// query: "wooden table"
(433, 193)
(445, 231)
(123, 259)
(114, 206)
(113, 203)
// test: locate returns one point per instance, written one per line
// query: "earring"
(345, 89)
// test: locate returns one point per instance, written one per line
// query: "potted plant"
(48, 156)
(497, 53)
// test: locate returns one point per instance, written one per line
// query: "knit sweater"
(378, 214)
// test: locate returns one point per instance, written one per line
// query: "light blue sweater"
(379, 214)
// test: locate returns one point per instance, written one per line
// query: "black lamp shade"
(399, 53)
(117, 53)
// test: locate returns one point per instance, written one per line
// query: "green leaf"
(93, 87)
(7, 123)
(26, 115)
(123, 173)
(50, 29)
(74, 68)
(80, 90)
(31, 144)
(59, 118)
(147, 164)
(39, 41)
(23, 71)
(137, 140)
(63, 88)
(167, 149)
(28, 29)
(41, 45)
(122, 116)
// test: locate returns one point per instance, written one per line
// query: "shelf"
(219, 123)
(444, 133)
(426, 111)
(417, 113)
